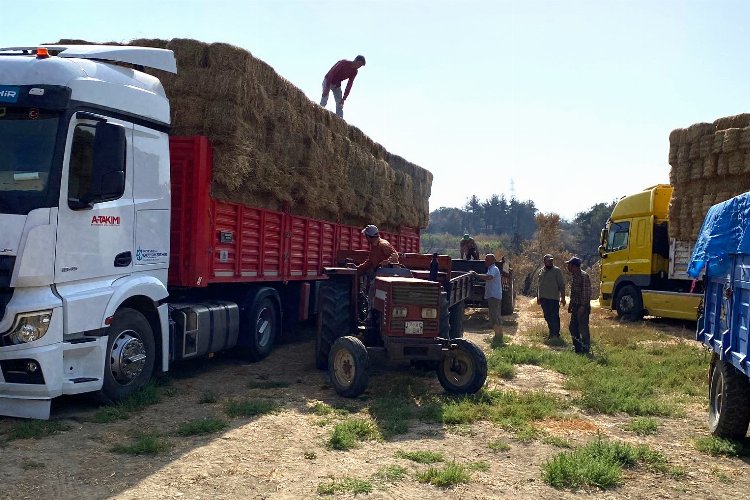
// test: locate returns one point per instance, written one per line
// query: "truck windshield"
(618, 236)
(27, 148)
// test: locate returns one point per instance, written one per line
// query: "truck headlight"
(29, 327)
(429, 312)
(399, 312)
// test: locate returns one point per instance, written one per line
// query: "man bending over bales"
(342, 70)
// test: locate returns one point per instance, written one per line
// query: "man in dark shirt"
(580, 306)
(342, 70)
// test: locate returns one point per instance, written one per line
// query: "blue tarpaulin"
(725, 232)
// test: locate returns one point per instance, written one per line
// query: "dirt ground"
(265, 457)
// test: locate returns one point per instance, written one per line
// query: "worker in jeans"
(550, 295)
(493, 293)
(342, 70)
(580, 306)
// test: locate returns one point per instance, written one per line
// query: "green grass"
(509, 409)
(207, 398)
(345, 485)
(35, 429)
(716, 447)
(480, 466)
(498, 446)
(347, 434)
(600, 463)
(391, 473)
(147, 396)
(144, 444)
(268, 384)
(250, 407)
(202, 426)
(527, 433)
(421, 457)
(643, 426)
(450, 475)
(557, 441)
(323, 409)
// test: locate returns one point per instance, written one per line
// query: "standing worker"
(469, 248)
(580, 306)
(342, 70)
(493, 293)
(550, 295)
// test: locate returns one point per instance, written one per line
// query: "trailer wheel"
(349, 366)
(629, 303)
(463, 370)
(262, 326)
(334, 318)
(457, 320)
(131, 355)
(729, 401)
(444, 327)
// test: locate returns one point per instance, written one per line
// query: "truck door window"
(81, 161)
(618, 236)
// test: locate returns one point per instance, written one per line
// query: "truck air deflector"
(149, 57)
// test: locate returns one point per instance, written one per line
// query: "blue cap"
(574, 261)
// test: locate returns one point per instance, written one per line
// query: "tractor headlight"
(29, 327)
(429, 312)
(399, 312)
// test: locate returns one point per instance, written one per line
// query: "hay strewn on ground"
(710, 163)
(273, 146)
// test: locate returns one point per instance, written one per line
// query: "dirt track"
(264, 457)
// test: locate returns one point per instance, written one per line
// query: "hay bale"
(731, 140)
(737, 121)
(695, 150)
(735, 162)
(718, 143)
(709, 166)
(706, 144)
(722, 166)
(697, 130)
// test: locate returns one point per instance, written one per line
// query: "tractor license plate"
(414, 327)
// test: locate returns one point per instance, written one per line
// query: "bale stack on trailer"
(710, 163)
(273, 147)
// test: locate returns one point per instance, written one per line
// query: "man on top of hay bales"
(381, 252)
(342, 70)
(469, 248)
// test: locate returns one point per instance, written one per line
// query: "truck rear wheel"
(131, 355)
(334, 318)
(629, 303)
(463, 370)
(349, 366)
(729, 401)
(262, 326)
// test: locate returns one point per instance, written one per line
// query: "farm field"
(629, 422)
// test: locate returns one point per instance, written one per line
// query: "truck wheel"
(463, 370)
(729, 401)
(262, 326)
(349, 366)
(131, 354)
(444, 327)
(629, 304)
(457, 320)
(334, 318)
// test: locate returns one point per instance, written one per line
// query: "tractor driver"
(381, 252)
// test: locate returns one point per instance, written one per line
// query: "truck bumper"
(32, 398)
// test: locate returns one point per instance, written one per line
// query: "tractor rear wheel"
(349, 366)
(463, 370)
(334, 318)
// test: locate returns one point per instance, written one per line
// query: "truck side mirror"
(108, 165)
(602, 252)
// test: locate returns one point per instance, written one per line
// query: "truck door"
(617, 261)
(95, 242)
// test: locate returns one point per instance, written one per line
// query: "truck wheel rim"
(717, 395)
(127, 357)
(627, 303)
(343, 368)
(264, 326)
(458, 368)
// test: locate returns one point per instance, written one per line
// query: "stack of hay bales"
(274, 148)
(710, 164)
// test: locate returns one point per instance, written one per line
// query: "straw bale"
(697, 130)
(745, 138)
(156, 43)
(683, 153)
(696, 170)
(224, 56)
(722, 166)
(737, 121)
(735, 162)
(716, 147)
(709, 166)
(673, 154)
(695, 150)
(188, 53)
(706, 144)
(746, 165)
(731, 140)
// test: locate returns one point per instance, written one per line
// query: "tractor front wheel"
(463, 370)
(349, 366)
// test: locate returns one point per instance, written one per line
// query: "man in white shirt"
(493, 293)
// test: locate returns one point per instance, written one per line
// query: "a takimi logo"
(105, 220)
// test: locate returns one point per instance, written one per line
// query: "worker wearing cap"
(469, 248)
(580, 306)
(550, 294)
(381, 251)
(342, 70)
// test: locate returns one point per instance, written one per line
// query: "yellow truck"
(644, 271)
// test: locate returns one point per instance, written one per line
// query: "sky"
(566, 103)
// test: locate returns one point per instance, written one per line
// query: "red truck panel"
(214, 241)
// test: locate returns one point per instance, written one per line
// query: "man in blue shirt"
(493, 293)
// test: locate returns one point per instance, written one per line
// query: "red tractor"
(407, 315)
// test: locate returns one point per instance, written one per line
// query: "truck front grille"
(6, 270)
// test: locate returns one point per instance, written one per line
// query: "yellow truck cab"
(644, 271)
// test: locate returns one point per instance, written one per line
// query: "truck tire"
(334, 318)
(349, 366)
(131, 355)
(729, 401)
(262, 326)
(629, 303)
(463, 370)
(444, 326)
(457, 320)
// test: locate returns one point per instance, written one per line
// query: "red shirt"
(342, 70)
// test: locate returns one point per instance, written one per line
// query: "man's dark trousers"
(551, 308)
(579, 328)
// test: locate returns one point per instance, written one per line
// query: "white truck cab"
(84, 222)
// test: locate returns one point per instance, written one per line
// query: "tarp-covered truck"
(722, 251)
(117, 256)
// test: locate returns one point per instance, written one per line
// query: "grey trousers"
(336, 95)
